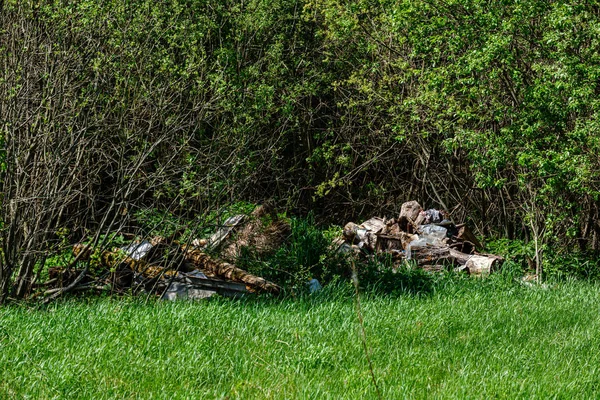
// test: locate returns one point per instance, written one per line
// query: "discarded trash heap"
(206, 267)
(425, 236)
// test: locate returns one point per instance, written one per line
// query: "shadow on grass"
(400, 282)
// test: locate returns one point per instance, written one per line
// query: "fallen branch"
(81, 252)
(61, 291)
(222, 269)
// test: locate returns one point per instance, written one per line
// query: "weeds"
(307, 254)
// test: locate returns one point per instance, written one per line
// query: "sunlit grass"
(466, 339)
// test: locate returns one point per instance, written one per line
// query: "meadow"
(464, 338)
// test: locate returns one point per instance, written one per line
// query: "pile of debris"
(173, 270)
(426, 236)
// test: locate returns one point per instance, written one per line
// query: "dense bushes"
(347, 108)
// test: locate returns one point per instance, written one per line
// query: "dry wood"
(398, 241)
(115, 258)
(432, 255)
(409, 214)
(465, 235)
(261, 238)
(81, 253)
(365, 234)
(199, 259)
(410, 210)
(481, 265)
(374, 225)
(222, 269)
(476, 264)
(223, 232)
(350, 231)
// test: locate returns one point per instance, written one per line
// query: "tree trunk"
(222, 269)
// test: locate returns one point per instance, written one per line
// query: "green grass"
(466, 339)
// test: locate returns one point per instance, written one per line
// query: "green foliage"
(509, 86)
(342, 106)
(515, 251)
(155, 222)
(305, 255)
(559, 264)
(61, 259)
(574, 265)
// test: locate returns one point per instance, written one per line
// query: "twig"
(362, 329)
(70, 287)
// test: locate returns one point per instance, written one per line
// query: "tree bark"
(222, 269)
(476, 264)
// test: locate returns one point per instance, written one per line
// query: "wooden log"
(397, 241)
(476, 264)
(350, 231)
(222, 269)
(197, 258)
(117, 260)
(432, 255)
(480, 265)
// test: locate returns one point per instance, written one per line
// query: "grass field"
(464, 339)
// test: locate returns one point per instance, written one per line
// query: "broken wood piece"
(222, 269)
(223, 232)
(409, 214)
(410, 210)
(476, 264)
(365, 234)
(117, 260)
(480, 265)
(432, 255)
(374, 224)
(465, 235)
(350, 231)
(261, 236)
